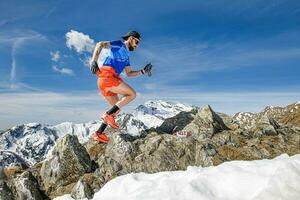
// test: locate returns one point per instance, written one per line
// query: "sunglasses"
(137, 41)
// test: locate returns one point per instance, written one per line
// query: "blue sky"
(233, 55)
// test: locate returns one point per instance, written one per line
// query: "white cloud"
(79, 41)
(64, 71)
(86, 61)
(55, 56)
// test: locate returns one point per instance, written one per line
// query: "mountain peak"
(162, 109)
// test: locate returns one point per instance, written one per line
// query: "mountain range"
(43, 162)
(27, 144)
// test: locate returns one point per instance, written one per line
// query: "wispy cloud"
(17, 42)
(180, 59)
(49, 107)
(55, 56)
(64, 71)
(79, 41)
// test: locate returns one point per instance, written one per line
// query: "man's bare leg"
(112, 100)
(128, 94)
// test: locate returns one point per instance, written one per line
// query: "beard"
(130, 47)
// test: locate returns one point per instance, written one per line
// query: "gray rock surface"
(67, 162)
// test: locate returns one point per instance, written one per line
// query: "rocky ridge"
(200, 137)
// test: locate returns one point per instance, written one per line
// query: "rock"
(35, 171)
(67, 162)
(95, 149)
(164, 153)
(265, 125)
(82, 190)
(5, 192)
(206, 123)
(178, 122)
(229, 152)
(222, 138)
(108, 167)
(230, 122)
(94, 180)
(26, 187)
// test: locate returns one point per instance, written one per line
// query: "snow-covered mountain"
(32, 141)
(29, 141)
(287, 114)
(151, 114)
(245, 119)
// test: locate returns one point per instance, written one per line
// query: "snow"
(262, 179)
(151, 114)
(81, 130)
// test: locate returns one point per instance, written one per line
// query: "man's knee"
(132, 94)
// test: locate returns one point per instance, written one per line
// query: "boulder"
(206, 123)
(5, 192)
(82, 190)
(65, 164)
(26, 187)
(265, 125)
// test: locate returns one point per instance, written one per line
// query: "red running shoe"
(100, 137)
(109, 119)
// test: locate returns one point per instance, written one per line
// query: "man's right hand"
(94, 67)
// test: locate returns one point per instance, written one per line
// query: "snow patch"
(262, 179)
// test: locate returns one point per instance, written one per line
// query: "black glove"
(148, 69)
(94, 67)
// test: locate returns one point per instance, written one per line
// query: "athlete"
(110, 84)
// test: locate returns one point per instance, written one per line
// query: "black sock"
(113, 110)
(102, 128)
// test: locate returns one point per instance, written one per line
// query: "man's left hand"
(148, 69)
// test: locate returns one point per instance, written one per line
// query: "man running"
(110, 83)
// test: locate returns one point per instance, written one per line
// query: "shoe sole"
(99, 139)
(109, 123)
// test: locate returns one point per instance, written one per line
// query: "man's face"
(133, 43)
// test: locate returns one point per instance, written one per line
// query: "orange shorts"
(108, 78)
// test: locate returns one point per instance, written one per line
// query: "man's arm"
(131, 73)
(98, 48)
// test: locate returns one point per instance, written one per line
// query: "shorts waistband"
(106, 71)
